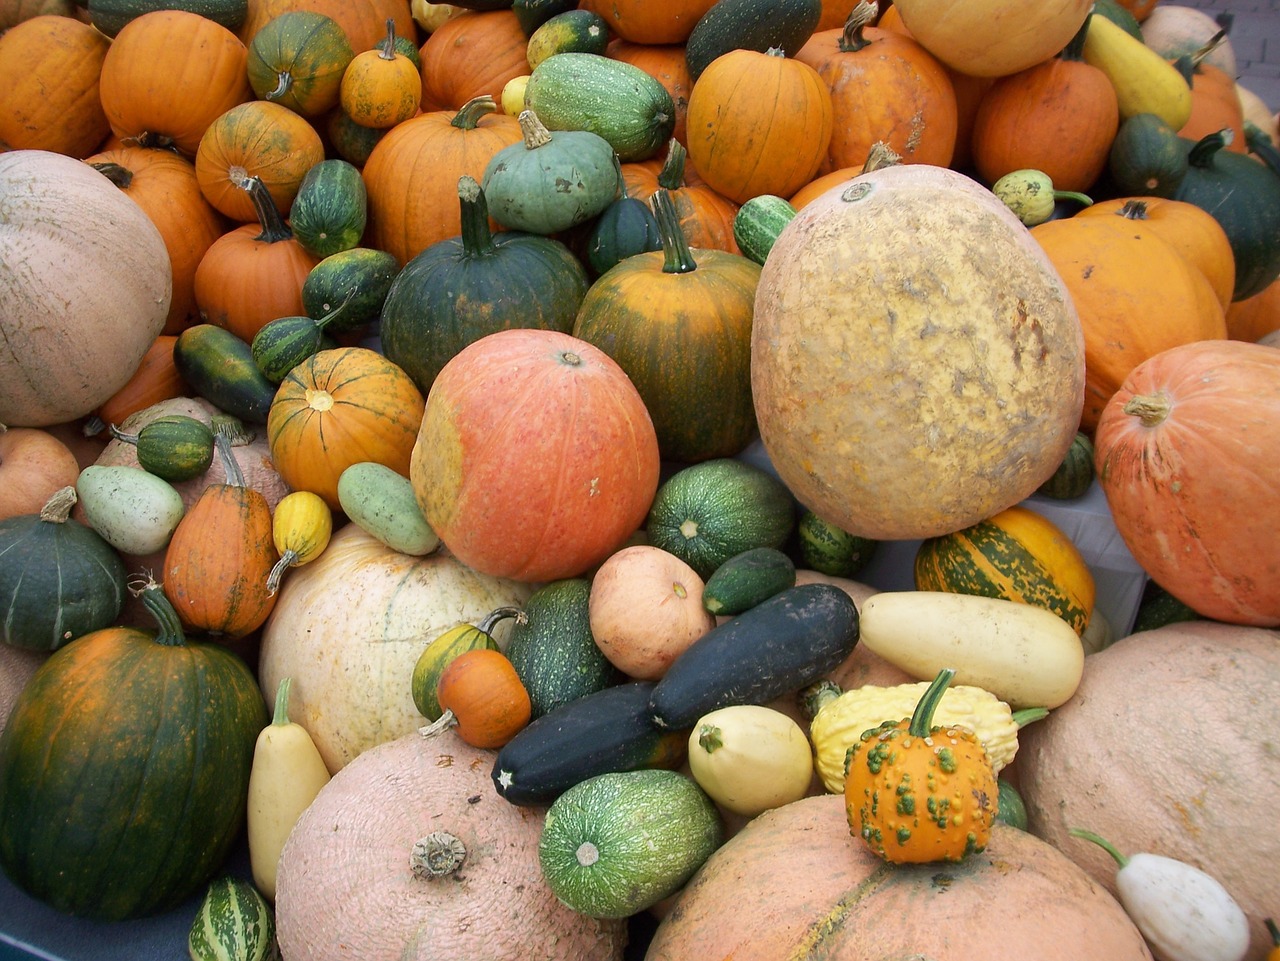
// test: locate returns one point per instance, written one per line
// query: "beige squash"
(917, 364)
(349, 628)
(85, 285)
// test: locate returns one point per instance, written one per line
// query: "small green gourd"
(1031, 196)
(174, 447)
(234, 923)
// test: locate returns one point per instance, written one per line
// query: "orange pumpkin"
(411, 176)
(1215, 105)
(363, 21)
(666, 64)
(14, 12)
(380, 87)
(1141, 9)
(337, 408)
(643, 21)
(483, 696)
(1255, 317)
(822, 183)
(884, 87)
(33, 464)
(164, 185)
(49, 72)
(1186, 448)
(168, 74)
(156, 379)
(474, 53)
(705, 216)
(256, 139)
(760, 123)
(505, 472)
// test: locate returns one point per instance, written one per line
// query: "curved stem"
(1029, 715)
(274, 228)
(1207, 147)
(387, 48)
(534, 133)
(496, 616)
(671, 176)
(1101, 842)
(860, 17)
(118, 174)
(121, 436)
(57, 508)
(817, 696)
(231, 466)
(169, 632)
(284, 83)
(922, 718)
(469, 113)
(477, 236)
(286, 561)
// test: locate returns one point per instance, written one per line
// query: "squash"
(64, 261)
(381, 500)
(752, 25)
(330, 210)
(301, 526)
(1075, 474)
(1189, 427)
(847, 321)
(830, 551)
(234, 922)
(381, 87)
(110, 16)
(626, 227)
(1147, 157)
(363, 21)
(1176, 30)
(748, 579)
(529, 391)
(95, 704)
(783, 907)
(472, 55)
(1213, 668)
(349, 288)
(481, 695)
(758, 222)
(175, 447)
(33, 464)
(570, 31)
(750, 758)
(443, 650)
(391, 605)
(134, 511)
(639, 21)
(1255, 317)
(706, 216)
(220, 367)
(1144, 81)
(665, 63)
(297, 60)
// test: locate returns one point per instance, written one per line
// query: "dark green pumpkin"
(351, 285)
(297, 60)
(679, 323)
(1147, 157)
(1074, 474)
(330, 211)
(750, 25)
(58, 578)
(124, 769)
(624, 228)
(175, 447)
(478, 283)
(110, 16)
(573, 31)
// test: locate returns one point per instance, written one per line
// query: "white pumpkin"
(85, 287)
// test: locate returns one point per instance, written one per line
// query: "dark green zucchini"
(331, 208)
(531, 14)
(598, 733)
(750, 25)
(350, 285)
(111, 16)
(174, 447)
(748, 579)
(776, 647)
(219, 367)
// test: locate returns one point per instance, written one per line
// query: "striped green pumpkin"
(234, 923)
(1018, 555)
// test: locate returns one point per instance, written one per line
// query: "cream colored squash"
(1175, 30)
(917, 364)
(349, 627)
(85, 285)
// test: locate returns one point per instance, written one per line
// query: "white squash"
(135, 511)
(750, 758)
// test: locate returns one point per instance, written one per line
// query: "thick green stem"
(274, 228)
(1029, 715)
(678, 258)
(469, 113)
(922, 717)
(281, 715)
(477, 237)
(169, 632)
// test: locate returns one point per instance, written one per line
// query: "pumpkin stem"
(387, 48)
(57, 508)
(118, 174)
(860, 17)
(817, 696)
(446, 720)
(1210, 45)
(274, 228)
(1101, 842)
(469, 113)
(1206, 148)
(922, 718)
(477, 236)
(1133, 210)
(438, 855)
(535, 134)
(169, 626)
(281, 715)
(1151, 409)
(222, 444)
(677, 257)
(881, 155)
(238, 435)
(284, 82)
(276, 574)
(671, 176)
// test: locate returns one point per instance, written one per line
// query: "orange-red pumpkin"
(536, 458)
(643, 21)
(474, 53)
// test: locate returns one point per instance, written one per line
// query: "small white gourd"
(1183, 913)
(750, 758)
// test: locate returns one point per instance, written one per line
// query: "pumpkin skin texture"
(1182, 684)
(386, 608)
(33, 464)
(475, 53)
(786, 908)
(62, 263)
(851, 307)
(584, 442)
(645, 22)
(706, 216)
(297, 60)
(343, 889)
(1192, 431)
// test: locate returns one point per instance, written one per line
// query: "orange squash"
(472, 54)
(483, 696)
(643, 21)
(156, 379)
(381, 87)
(705, 215)
(1215, 105)
(1255, 317)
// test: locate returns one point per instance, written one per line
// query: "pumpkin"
(17, 665)
(760, 123)
(1255, 317)
(483, 697)
(1176, 30)
(49, 70)
(679, 323)
(666, 64)
(784, 907)
(381, 87)
(14, 12)
(884, 88)
(33, 464)
(475, 53)
(165, 186)
(705, 215)
(79, 306)
(1182, 683)
(1215, 104)
(412, 174)
(456, 877)
(645, 23)
(1190, 430)
(363, 21)
(297, 60)
(386, 608)
(866, 390)
(576, 493)
(169, 802)
(168, 74)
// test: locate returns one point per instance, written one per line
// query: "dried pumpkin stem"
(535, 134)
(437, 855)
(57, 508)
(1151, 409)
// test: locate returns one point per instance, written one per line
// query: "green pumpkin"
(478, 283)
(1147, 157)
(331, 208)
(297, 60)
(625, 227)
(124, 769)
(58, 578)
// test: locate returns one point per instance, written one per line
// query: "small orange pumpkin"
(705, 215)
(380, 87)
(33, 464)
(483, 697)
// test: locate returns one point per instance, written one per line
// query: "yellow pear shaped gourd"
(1145, 82)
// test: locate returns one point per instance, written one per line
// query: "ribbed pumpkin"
(470, 55)
(678, 321)
(363, 21)
(759, 123)
(337, 408)
(642, 21)
(297, 60)
(124, 769)
(412, 174)
(458, 290)
(49, 70)
(1016, 554)
(705, 216)
(1186, 454)
(536, 458)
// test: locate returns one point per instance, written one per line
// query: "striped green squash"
(234, 923)
(1018, 555)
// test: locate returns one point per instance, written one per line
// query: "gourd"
(1147, 157)
(1030, 194)
(472, 56)
(284, 343)
(381, 87)
(705, 215)
(110, 16)
(297, 60)
(330, 210)
(363, 21)
(1144, 81)
(301, 526)
(626, 227)
(174, 447)
(758, 222)
(570, 31)
(234, 923)
(750, 758)
(134, 511)
(349, 287)
(748, 579)
(829, 550)
(752, 25)
(440, 652)
(156, 379)
(1075, 474)
(381, 501)
(481, 695)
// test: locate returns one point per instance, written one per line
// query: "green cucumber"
(174, 447)
(552, 649)
(331, 208)
(748, 579)
(779, 646)
(614, 100)
(234, 923)
(594, 734)
(829, 550)
(350, 285)
(219, 367)
(382, 503)
(111, 16)
(758, 222)
(750, 25)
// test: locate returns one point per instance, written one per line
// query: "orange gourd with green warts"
(916, 793)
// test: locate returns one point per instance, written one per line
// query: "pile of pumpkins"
(330, 326)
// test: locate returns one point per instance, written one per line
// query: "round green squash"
(1075, 474)
(829, 550)
(297, 60)
(234, 923)
(331, 208)
(624, 228)
(1147, 157)
(174, 447)
(124, 769)
(58, 578)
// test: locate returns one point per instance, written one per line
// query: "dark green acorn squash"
(750, 25)
(478, 283)
(625, 227)
(531, 14)
(1147, 157)
(330, 211)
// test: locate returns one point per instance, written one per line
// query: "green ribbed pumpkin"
(1018, 555)
(297, 60)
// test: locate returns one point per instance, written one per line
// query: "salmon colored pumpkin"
(472, 54)
(1186, 455)
(33, 464)
(363, 21)
(536, 458)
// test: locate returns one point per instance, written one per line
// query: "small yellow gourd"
(301, 527)
(286, 776)
(750, 758)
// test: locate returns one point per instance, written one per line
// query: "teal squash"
(351, 285)
(59, 579)
(331, 208)
(478, 283)
(124, 769)
(110, 16)
(678, 321)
